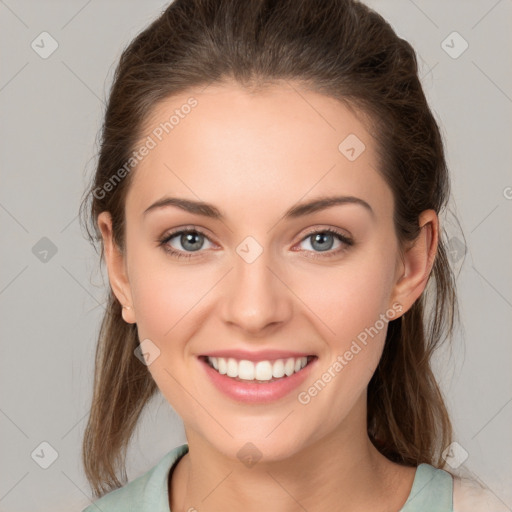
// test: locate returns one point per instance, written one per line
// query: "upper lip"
(262, 355)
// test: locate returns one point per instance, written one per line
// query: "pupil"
(321, 237)
(187, 241)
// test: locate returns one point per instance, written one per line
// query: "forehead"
(230, 146)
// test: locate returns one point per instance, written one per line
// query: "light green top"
(431, 490)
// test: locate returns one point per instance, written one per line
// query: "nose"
(256, 298)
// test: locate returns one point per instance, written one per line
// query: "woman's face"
(255, 277)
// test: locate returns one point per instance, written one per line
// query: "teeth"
(223, 365)
(261, 371)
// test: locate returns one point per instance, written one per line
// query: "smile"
(259, 381)
(260, 371)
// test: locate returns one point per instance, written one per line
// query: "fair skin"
(254, 156)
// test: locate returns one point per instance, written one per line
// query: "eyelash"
(327, 254)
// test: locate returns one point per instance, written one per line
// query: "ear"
(414, 270)
(116, 266)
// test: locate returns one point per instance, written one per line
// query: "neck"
(342, 471)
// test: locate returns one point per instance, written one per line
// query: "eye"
(190, 240)
(322, 241)
(184, 242)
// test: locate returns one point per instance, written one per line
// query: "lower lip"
(254, 392)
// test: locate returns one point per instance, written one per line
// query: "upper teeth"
(262, 370)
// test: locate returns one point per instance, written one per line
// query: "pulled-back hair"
(342, 49)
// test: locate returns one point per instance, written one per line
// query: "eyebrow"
(300, 210)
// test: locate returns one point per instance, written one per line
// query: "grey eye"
(321, 241)
(190, 241)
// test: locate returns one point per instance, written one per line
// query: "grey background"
(51, 111)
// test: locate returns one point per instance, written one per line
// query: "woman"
(267, 201)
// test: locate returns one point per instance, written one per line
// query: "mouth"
(264, 371)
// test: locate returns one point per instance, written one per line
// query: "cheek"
(166, 296)
(352, 312)
(167, 300)
(349, 299)
(339, 306)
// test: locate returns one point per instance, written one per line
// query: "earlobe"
(418, 261)
(116, 268)
(127, 315)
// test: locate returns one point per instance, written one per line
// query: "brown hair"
(339, 48)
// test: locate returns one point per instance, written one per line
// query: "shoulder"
(148, 492)
(470, 496)
(431, 490)
(126, 498)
